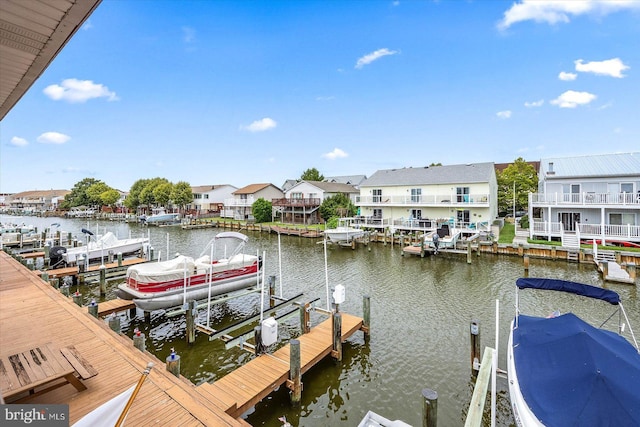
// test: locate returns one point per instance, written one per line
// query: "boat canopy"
(232, 235)
(570, 287)
(602, 389)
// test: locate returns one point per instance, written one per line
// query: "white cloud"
(571, 99)
(53, 138)
(560, 11)
(567, 77)
(261, 125)
(188, 34)
(19, 142)
(534, 104)
(335, 154)
(504, 114)
(325, 98)
(373, 56)
(87, 25)
(74, 90)
(610, 67)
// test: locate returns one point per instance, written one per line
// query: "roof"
(346, 179)
(207, 188)
(39, 193)
(254, 188)
(332, 187)
(428, 175)
(618, 164)
(32, 33)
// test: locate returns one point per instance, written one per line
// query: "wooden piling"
(468, 251)
(119, 259)
(147, 316)
(173, 363)
(114, 323)
(631, 270)
(474, 334)
(366, 315)
(93, 308)
(295, 379)
(103, 280)
(429, 408)
(305, 320)
(257, 335)
(526, 263)
(191, 314)
(336, 351)
(604, 266)
(271, 280)
(139, 340)
(77, 298)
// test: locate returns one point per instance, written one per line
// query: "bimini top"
(572, 287)
(571, 373)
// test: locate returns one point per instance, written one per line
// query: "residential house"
(301, 203)
(587, 197)
(209, 199)
(354, 180)
(239, 206)
(424, 197)
(37, 200)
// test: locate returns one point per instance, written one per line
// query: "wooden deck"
(33, 313)
(73, 271)
(250, 383)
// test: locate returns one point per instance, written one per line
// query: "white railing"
(589, 231)
(239, 202)
(425, 199)
(585, 199)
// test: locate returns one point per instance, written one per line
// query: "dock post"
(604, 266)
(295, 381)
(526, 265)
(147, 316)
(58, 238)
(271, 280)
(138, 340)
(47, 260)
(119, 259)
(336, 351)
(93, 308)
(305, 321)
(103, 280)
(69, 238)
(77, 298)
(468, 251)
(257, 334)
(429, 408)
(110, 257)
(114, 323)
(475, 346)
(64, 288)
(366, 316)
(151, 254)
(173, 363)
(618, 257)
(553, 253)
(45, 277)
(631, 270)
(191, 314)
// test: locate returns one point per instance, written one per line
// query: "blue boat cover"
(571, 287)
(573, 374)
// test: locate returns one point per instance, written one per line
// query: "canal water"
(421, 311)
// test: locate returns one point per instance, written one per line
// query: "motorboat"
(160, 216)
(565, 372)
(98, 249)
(343, 233)
(170, 283)
(445, 236)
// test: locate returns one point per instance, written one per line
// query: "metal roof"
(32, 32)
(619, 164)
(429, 175)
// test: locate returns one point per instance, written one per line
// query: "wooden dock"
(252, 382)
(32, 313)
(73, 271)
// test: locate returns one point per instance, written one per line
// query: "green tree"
(78, 195)
(520, 177)
(338, 205)
(261, 210)
(162, 193)
(94, 193)
(110, 197)
(133, 199)
(182, 194)
(312, 174)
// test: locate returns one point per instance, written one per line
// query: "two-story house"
(301, 203)
(239, 206)
(421, 197)
(37, 200)
(209, 199)
(587, 198)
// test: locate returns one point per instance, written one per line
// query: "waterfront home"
(36, 200)
(587, 198)
(422, 197)
(239, 205)
(354, 180)
(209, 199)
(301, 203)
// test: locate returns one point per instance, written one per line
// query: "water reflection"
(420, 314)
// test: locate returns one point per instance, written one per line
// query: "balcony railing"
(239, 202)
(584, 199)
(425, 199)
(293, 202)
(589, 231)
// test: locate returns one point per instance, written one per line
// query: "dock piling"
(474, 334)
(336, 352)
(257, 334)
(103, 280)
(429, 408)
(173, 363)
(366, 315)
(191, 314)
(93, 308)
(295, 381)
(139, 340)
(77, 298)
(114, 323)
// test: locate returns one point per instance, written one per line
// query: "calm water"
(420, 314)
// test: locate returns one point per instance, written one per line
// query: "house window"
(297, 196)
(206, 196)
(622, 219)
(377, 196)
(377, 213)
(416, 213)
(462, 194)
(463, 217)
(416, 195)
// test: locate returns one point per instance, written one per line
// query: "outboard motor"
(55, 255)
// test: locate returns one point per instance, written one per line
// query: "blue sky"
(231, 92)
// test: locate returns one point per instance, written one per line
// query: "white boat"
(565, 372)
(444, 237)
(160, 216)
(343, 232)
(100, 248)
(160, 285)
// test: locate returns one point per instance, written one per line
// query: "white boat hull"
(345, 234)
(126, 246)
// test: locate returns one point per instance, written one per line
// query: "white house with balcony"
(422, 197)
(301, 203)
(239, 206)
(209, 199)
(587, 198)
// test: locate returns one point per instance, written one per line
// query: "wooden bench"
(41, 369)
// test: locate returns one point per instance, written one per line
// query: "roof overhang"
(32, 33)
